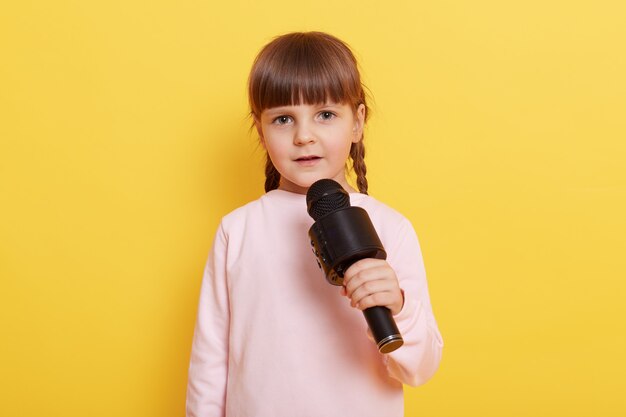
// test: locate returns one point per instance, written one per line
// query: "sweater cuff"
(408, 316)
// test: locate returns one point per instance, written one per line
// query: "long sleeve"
(272, 338)
(418, 359)
(206, 388)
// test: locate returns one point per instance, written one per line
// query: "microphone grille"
(326, 196)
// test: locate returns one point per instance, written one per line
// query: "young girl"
(273, 338)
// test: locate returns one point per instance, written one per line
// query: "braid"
(272, 176)
(357, 153)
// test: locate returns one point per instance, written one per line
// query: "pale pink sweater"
(274, 339)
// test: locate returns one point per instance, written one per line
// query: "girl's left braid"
(357, 153)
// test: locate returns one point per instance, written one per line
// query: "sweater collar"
(295, 198)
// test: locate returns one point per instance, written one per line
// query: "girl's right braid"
(272, 176)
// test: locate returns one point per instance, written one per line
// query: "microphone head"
(325, 196)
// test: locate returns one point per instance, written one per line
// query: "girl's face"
(308, 142)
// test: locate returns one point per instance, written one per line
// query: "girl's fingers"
(362, 265)
(384, 299)
(372, 282)
(369, 288)
(383, 292)
(376, 273)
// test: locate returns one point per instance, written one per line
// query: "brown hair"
(309, 68)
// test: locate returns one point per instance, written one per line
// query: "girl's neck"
(294, 188)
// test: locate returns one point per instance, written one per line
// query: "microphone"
(342, 235)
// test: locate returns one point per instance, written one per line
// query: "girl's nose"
(304, 135)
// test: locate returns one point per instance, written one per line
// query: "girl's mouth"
(308, 160)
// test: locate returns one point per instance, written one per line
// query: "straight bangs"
(304, 68)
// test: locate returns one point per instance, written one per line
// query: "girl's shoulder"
(241, 211)
(395, 230)
(275, 204)
(380, 212)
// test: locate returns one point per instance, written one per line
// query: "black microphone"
(341, 236)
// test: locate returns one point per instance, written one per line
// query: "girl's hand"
(372, 282)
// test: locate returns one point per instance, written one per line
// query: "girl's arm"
(418, 359)
(400, 284)
(208, 367)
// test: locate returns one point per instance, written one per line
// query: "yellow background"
(498, 128)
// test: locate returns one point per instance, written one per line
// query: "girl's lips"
(307, 161)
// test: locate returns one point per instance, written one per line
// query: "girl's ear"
(359, 123)
(257, 125)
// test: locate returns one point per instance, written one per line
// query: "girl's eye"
(282, 120)
(326, 115)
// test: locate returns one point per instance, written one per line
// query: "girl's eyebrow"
(274, 111)
(337, 107)
(277, 110)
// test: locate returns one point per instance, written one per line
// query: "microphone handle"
(384, 328)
